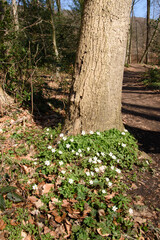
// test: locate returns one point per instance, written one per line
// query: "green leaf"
(7, 189)
(14, 197)
(2, 203)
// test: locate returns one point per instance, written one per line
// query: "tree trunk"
(15, 15)
(148, 27)
(58, 3)
(95, 101)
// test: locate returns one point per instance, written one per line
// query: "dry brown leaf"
(2, 224)
(2, 234)
(47, 187)
(103, 235)
(30, 219)
(32, 199)
(134, 186)
(46, 230)
(39, 204)
(68, 228)
(101, 212)
(28, 237)
(110, 196)
(139, 220)
(59, 219)
(65, 203)
(13, 222)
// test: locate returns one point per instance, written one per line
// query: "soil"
(141, 116)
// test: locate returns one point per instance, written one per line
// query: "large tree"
(95, 100)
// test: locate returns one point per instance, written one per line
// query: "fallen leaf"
(103, 235)
(47, 187)
(68, 228)
(134, 186)
(2, 236)
(101, 212)
(23, 235)
(110, 196)
(2, 224)
(13, 222)
(46, 230)
(139, 220)
(32, 199)
(39, 204)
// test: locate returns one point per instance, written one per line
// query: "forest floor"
(141, 117)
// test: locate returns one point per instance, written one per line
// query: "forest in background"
(39, 37)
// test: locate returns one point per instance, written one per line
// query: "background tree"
(95, 102)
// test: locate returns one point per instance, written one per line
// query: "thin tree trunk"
(137, 43)
(95, 101)
(51, 9)
(130, 34)
(15, 15)
(150, 42)
(148, 28)
(58, 2)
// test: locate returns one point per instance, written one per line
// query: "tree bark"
(15, 15)
(95, 100)
(148, 28)
(58, 3)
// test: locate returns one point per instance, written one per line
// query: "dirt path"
(141, 116)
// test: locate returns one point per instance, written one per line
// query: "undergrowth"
(152, 78)
(85, 178)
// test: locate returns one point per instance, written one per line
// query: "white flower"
(60, 152)
(79, 150)
(70, 181)
(123, 145)
(73, 151)
(130, 211)
(110, 154)
(94, 161)
(92, 173)
(118, 170)
(96, 170)
(53, 150)
(103, 154)
(47, 129)
(99, 161)
(77, 153)
(47, 163)
(147, 162)
(91, 132)
(98, 133)
(102, 168)
(35, 163)
(97, 154)
(88, 173)
(109, 184)
(114, 157)
(61, 135)
(83, 132)
(71, 140)
(118, 160)
(103, 191)
(68, 145)
(95, 158)
(114, 208)
(91, 182)
(125, 130)
(34, 187)
(80, 155)
(123, 133)
(107, 179)
(61, 163)
(112, 167)
(90, 160)
(88, 149)
(49, 147)
(64, 138)
(63, 171)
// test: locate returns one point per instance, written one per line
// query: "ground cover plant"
(58, 187)
(152, 78)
